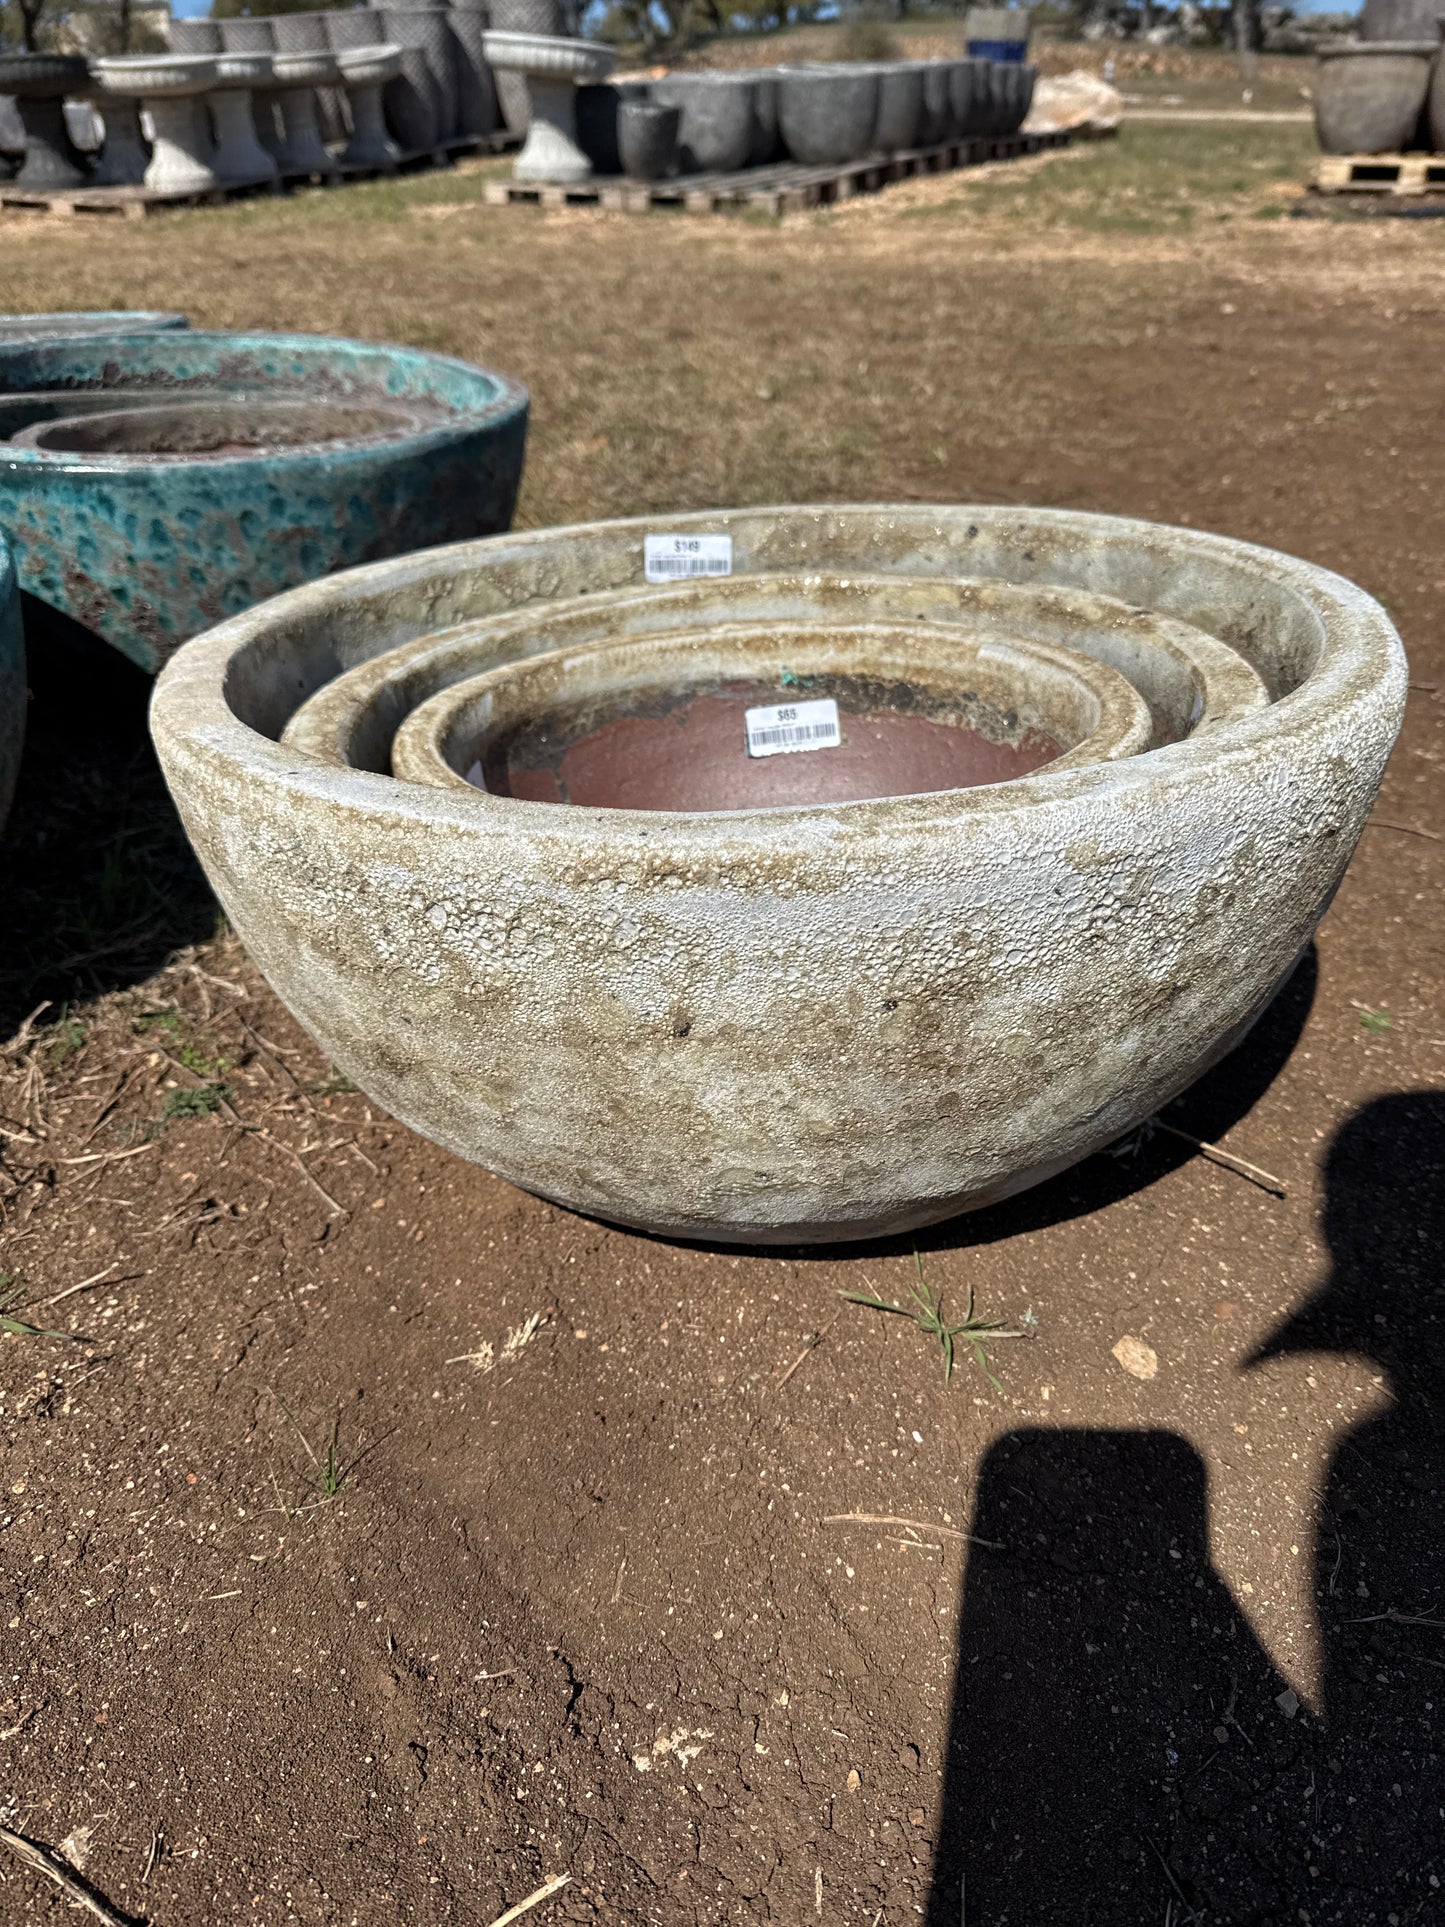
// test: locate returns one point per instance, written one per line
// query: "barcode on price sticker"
(672, 558)
(783, 727)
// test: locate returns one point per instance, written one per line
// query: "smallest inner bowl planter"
(152, 484)
(721, 718)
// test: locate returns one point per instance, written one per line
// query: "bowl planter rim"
(510, 397)
(1360, 667)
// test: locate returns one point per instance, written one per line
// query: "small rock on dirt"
(1138, 1359)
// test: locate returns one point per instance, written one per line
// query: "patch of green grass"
(167, 1020)
(1151, 178)
(322, 1470)
(191, 1100)
(926, 1311)
(11, 1298)
(333, 1086)
(67, 1036)
(1377, 1022)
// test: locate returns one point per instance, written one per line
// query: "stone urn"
(38, 83)
(240, 158)
(295, 77)
(425, 30)
(124, 153)
(155, 484)
(813, 1008)
(647, 139)
(169, 87)
(478, 112)
(366, 71)
(718, 129)
(1369, 94)
(900, 106)
(86, 322)
(553, 69)
(12, 681)
(827, 115)
(521, 16)
(194, 36)
(307, 33)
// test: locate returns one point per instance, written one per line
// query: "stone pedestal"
(553, 70)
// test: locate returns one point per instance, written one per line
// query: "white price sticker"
(673, 558)
(784, 727)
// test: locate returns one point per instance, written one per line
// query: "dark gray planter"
(424, 30)
(599, 112)
(647, 139)
(716, 134)
(39, 84)
(1401, 20)
(520, 16)
(1368, 95)
(827, 114)
(900, 106)
(247, 36)
(975, 97)
(935, 120)
(195, 37)
(410, 103)
(478, 111)
(767, 144)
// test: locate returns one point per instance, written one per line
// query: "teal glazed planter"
(154, 485)
(12, 682)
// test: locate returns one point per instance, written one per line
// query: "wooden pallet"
(1379, 173)
(774, 190)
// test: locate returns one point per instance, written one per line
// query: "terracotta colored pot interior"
(686, 749)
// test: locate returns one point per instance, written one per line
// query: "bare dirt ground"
(377, 1541)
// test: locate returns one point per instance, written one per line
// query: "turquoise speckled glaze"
(147, 549)
(12, 681)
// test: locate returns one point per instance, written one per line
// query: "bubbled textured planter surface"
(717, 130)
(151, 485)
(828, 1020)
(647, 139)
(1368, 96)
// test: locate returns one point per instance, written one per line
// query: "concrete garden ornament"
(553, 69)
(152, 484)
(38, 84)
(924, 853)
(169, 87)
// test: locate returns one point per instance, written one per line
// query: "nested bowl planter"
(827, 114)
(1369, 94)
(153, 484)
(827, 1020)
(38, 84)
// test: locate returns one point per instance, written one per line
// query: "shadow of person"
(98, 881)
(1118, 1750)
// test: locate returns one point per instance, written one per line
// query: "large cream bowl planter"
(810, 1023)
